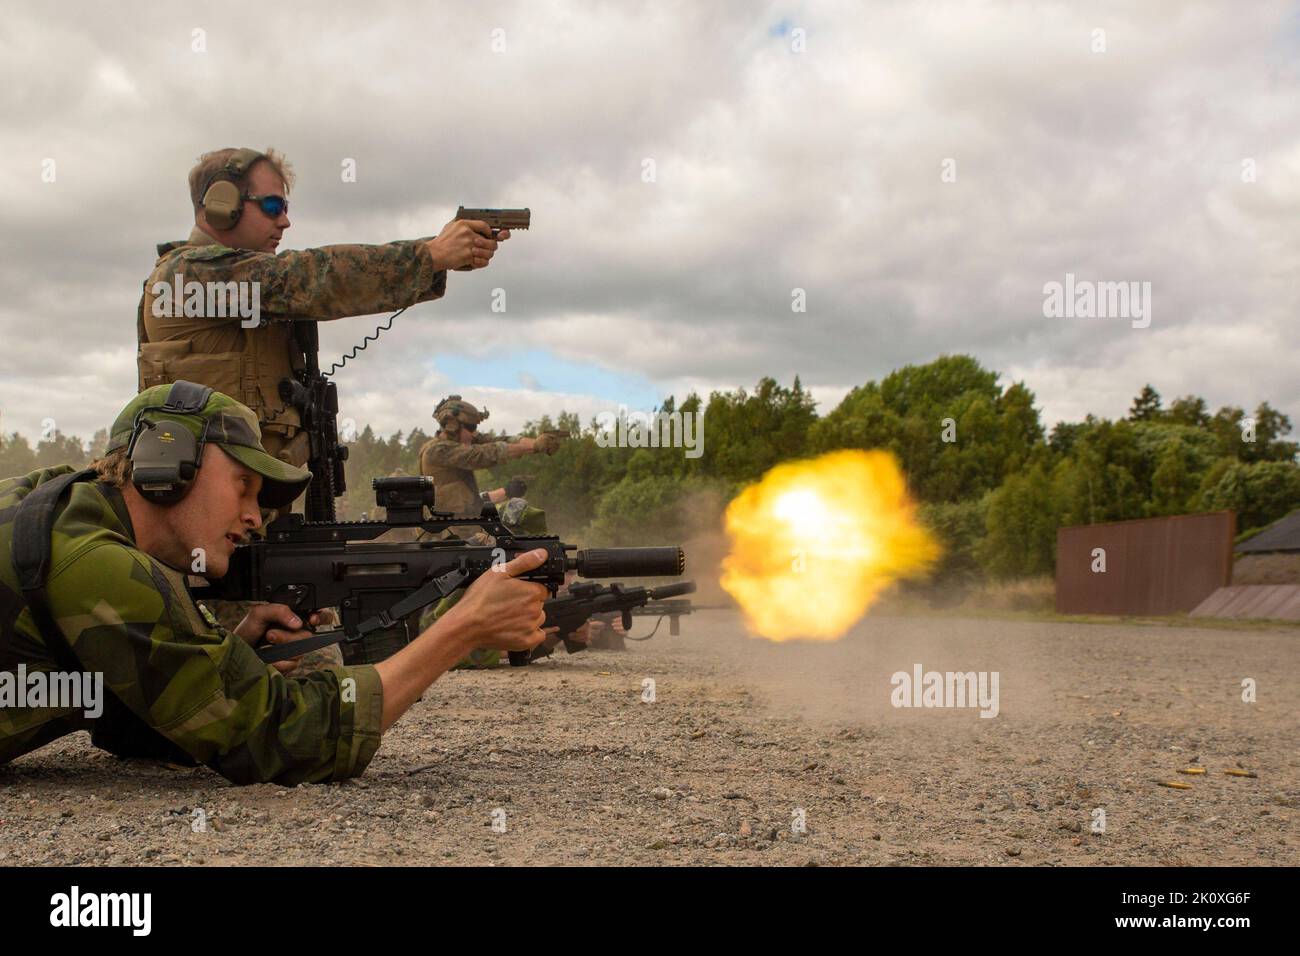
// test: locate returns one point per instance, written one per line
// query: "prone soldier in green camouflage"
(115, 603)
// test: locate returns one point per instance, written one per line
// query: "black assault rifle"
(309, 565)
(317, 400)
(674, 610)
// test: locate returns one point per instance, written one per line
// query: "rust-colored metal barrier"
(1152, 566)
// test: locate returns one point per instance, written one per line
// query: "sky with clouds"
(794, 146)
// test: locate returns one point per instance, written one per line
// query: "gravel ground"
(564, 763)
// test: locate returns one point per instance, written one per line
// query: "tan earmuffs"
(223, 201)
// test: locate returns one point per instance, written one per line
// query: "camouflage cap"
(455, 407)
(229, 424)
(518, 515)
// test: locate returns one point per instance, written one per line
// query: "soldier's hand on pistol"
(279, 625)
(500, 611)
(464, 244)
(547, 443)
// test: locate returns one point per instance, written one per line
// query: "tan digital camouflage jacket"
(451, 465)
(128, 616)
(247, 363)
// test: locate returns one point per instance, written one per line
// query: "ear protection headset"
(165, 455)
(223, 201)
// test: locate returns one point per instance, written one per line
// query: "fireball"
(814, 543)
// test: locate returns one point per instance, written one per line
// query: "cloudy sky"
(793, 145)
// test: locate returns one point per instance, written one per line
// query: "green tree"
(652, 510)
(1022, 520)
(1146, 407)
(956, 433)
(1260, 492)
(61, 449)
(1188, 410)
(745, 434)
(959, 527)
(1270, 426)
(16, 456)
(1096, 482)
(1173, 483)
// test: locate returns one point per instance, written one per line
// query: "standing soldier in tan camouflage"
(452, 455)
(188, 329)
(450, 458)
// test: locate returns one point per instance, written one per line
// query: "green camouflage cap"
(229, 424)
(518, 515)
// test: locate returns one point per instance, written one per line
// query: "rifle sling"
(31, 550)
(433, 590)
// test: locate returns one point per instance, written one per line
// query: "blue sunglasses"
(273, 206)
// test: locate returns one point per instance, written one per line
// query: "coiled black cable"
(383, 327)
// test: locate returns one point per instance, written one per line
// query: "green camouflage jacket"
(131, 618)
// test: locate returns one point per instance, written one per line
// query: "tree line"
(991, 482)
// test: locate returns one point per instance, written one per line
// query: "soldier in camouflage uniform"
(452, 455)
(329, 282)
(114, 601)
(208, 342)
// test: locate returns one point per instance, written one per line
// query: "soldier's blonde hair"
(114, 468)
(210, 164)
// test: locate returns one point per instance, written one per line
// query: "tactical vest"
(454, 489)
(251, 375)
(117, 730)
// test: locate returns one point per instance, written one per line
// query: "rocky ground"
(745, 744)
